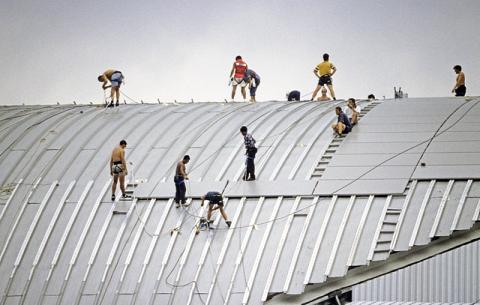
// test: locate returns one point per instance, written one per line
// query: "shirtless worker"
(115, 78)
(324, 71)
(118, 169)
(215, 202)
(237, 76)
(324, 96)
(459, 89)
(179, 180)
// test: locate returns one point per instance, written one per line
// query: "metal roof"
(62, 243)
(453, 277)
(408, 303)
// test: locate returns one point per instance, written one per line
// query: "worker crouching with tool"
(215, 202)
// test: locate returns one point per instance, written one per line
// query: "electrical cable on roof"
(381, 163)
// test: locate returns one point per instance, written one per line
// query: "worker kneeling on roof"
(215, 202)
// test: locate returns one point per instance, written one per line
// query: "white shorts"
(239, 82)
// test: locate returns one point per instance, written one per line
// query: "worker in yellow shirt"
(324, 71)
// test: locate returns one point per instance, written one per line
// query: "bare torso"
(180, 171)
(460, 79)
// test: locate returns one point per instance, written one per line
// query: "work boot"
(117, 103)
(111, 105)
(125, 196)
(113, 197)
(228, 222)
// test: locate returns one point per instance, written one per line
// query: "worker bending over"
(215, 202)
(115, 78)
(179, 180)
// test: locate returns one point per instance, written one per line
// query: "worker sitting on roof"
(253, 80)
(459, 89)
(324, 96)
(237, 76)
(343, 125)
(251, 151)
(352, 111)
(118, 169)
(293, 96)
(324, 71)
(179, 180)
(215, 202)
(115, 78)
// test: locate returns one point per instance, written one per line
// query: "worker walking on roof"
(118, 169)
(237, 76)
(459, 89)
(179, 180)
(343, 125)
(215, 202)
(250, 153)
(324, 71)
(253, 80)
(115, 78)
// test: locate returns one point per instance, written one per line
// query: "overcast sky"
(52, 51)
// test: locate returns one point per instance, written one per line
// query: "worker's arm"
(124, 162)
(315, 71)
(182, 171)
(233, 70)
(334, 69)
(459, 82)
(203, 200)
(111, 165)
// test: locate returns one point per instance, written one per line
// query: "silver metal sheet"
(270, 188)
(360, 187)
(167, 189)
(447, 172)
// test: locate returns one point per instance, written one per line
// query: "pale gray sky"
(54, 50)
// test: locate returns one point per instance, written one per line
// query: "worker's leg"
(177, 191)
(224, 215)
(315, 92)
(244, 93)
(250, 169)
(334, 127)
(209, 213)
(234, 89)
(112, 94)
(340, 128)
(114, 184)
(332, 92)
(354, 118)
(117, 92)
(122, 183)
(183, 191)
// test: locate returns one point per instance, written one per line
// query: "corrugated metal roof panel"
(285, 235)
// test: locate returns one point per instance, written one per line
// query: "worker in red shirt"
(237, 76)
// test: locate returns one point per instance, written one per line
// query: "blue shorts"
(116, 79)
(253, 89)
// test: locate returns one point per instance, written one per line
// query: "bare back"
(118, 154)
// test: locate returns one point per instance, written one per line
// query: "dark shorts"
(347, 130)
(325, 80)
(461, 91)
(214, 198)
